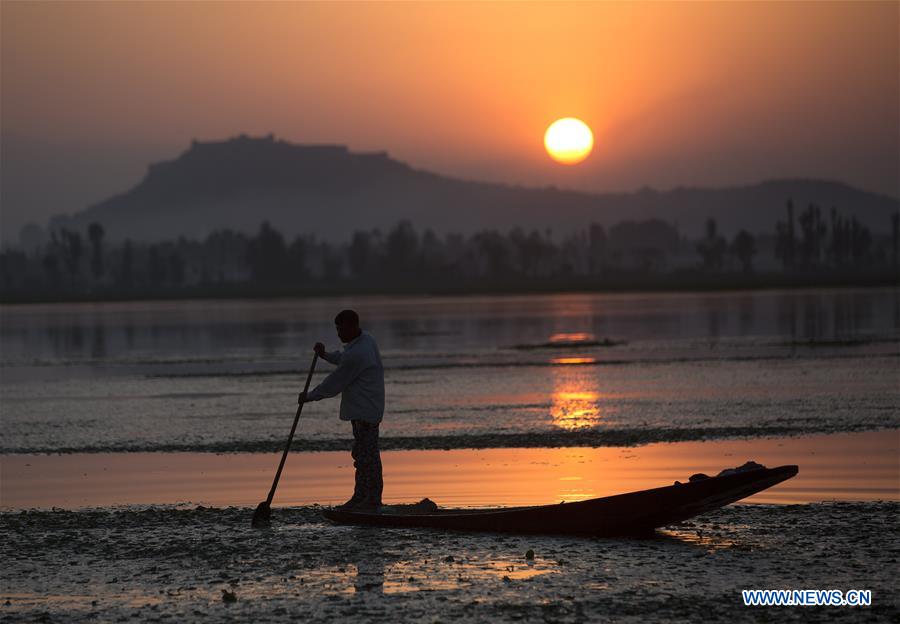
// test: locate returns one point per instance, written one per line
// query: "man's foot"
(353, 503)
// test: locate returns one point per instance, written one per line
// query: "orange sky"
(676, 93)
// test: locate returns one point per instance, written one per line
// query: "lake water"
(861, 466)
(461, 372)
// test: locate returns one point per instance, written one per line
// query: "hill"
(332, 191)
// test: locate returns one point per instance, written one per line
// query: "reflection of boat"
(623, 514)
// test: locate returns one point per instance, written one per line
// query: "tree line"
(72, 263)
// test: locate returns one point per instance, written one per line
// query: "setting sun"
(569, 141)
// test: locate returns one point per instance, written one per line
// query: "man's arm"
(333, 357)
(348, 370)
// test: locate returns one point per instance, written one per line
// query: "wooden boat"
(624, 514)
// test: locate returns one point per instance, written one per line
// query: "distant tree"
(532, 251)
(744, 247)
(784, 239)
(812, 234)
(781, 252)
(267, 256)
(95, 235)
(492, 248)
(176, 269)
(31, 238)
(646, 243)
(520, 248)
(648, 259)
(648, 234)
(895, 238)
(834, 251)
(574, 254)
(13, 265)
(791, 238)
(126, 270)
(50, 264)
(712, 247)
(156, 267)
(72, 250)
(860, 242)
(820, 231)
(596, 248)
(361, 254)
(401, 249)
(332, 262)
(297, 258)
(457, 254)
(228, 252)
(432, 251)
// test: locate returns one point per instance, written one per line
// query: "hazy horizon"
(702, 95)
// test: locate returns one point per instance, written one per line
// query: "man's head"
(347, 325)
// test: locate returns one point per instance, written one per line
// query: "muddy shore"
(169, 564)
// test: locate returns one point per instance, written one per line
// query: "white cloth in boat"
(358, 378)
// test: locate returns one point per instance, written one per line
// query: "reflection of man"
(369, 574)
(368, 555)
(359, 379)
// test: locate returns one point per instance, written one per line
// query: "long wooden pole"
(291, 436)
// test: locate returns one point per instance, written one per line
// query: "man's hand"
(319, 349)
(301, 398)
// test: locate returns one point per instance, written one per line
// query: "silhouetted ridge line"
(223, 168)
(238, 183)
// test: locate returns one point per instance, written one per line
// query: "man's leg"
(359, 488)
(369, 463)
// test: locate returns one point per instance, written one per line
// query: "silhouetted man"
(359, 379)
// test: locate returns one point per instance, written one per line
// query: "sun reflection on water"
(571, 337)
(573, 360)
(576, 402)
(575, 408)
